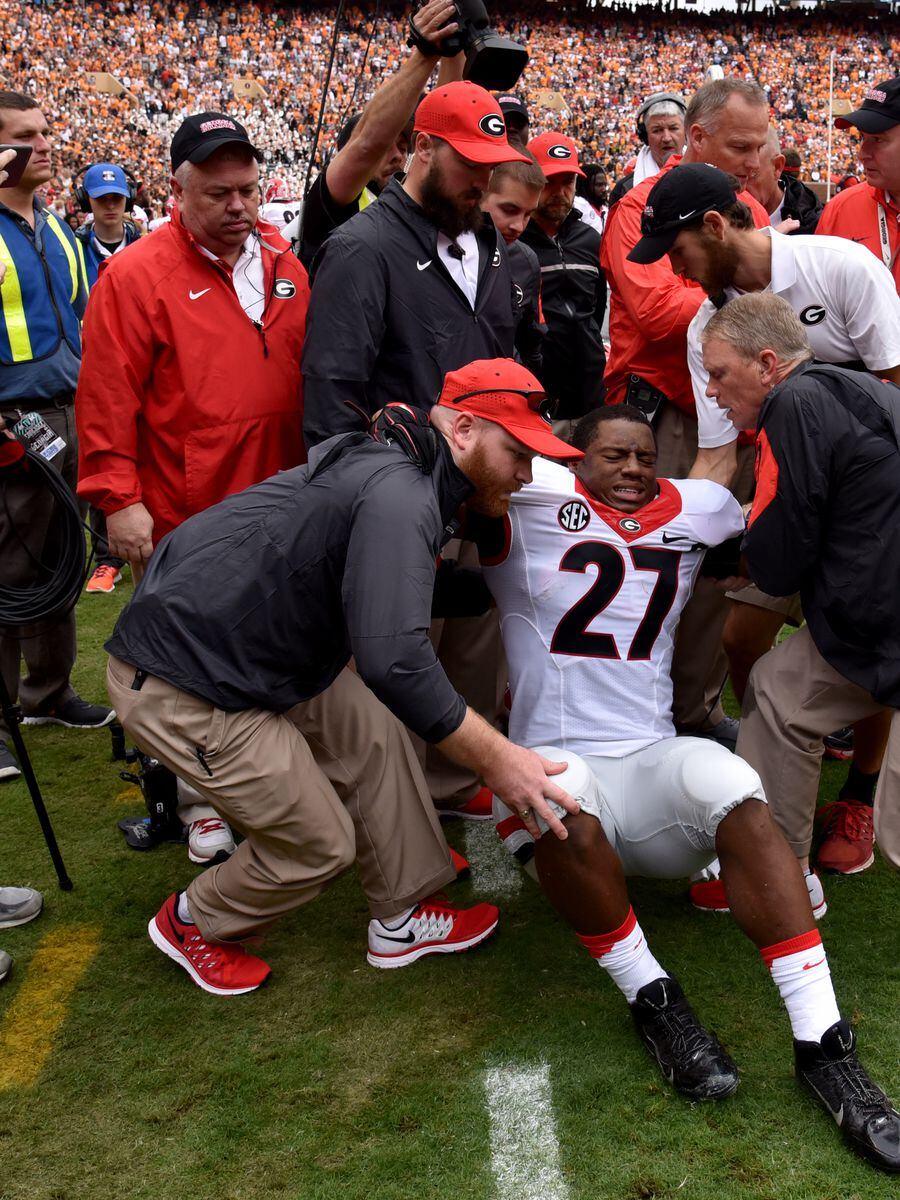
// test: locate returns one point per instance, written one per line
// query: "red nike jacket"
(182, 399)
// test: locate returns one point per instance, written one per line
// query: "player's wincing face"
(734, 383)
(619, 465)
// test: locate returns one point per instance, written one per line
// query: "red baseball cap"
(556, 154)
(469, 118)
(504, 392)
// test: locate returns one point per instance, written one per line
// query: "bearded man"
(417, 284)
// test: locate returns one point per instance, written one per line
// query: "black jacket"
(826, 519)
(801, 203)
(573, 299)
(530, 329)
(622, 187)
(387, 322)
(259, 601)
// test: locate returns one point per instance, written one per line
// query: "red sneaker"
(479, 808)
(460, 864)
(709, 896)
(223, 968)
(104, 579)
(848, 837)
(433, 927)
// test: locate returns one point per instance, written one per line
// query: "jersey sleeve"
(871, 309)
(711, 511)
(714, 428)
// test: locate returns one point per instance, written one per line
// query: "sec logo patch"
(574, 516)
(630, 525)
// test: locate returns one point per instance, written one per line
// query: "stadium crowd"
(463, 497)
(176, 58)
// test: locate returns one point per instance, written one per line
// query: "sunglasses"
(537, 401)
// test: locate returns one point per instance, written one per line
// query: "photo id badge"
(33, 431)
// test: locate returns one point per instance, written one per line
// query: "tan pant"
(793, 700)
(333, 780)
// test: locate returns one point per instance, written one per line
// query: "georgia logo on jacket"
(284, 289)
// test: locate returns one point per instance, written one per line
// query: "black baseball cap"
(201, 135)
(511, 105)
(880, 109)
(681, 198)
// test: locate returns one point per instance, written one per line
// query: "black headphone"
(83, 200)
(656, 98)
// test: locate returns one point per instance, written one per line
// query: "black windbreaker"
(386, 320)
(573, 300)
(530, 329)
(801, 203)
(259, 601)
(826, 518)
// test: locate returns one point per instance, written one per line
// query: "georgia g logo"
(559, 151)
(574, 516)
(813, 314)
(284, 289)
(493, 125)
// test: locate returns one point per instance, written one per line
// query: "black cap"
(681, 198)
(201, 135)
(880, 109)
(511, 105)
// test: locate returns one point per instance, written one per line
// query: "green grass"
(340, 1081)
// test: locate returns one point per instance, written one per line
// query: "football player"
(590, 572)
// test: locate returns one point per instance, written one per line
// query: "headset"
(83, 200)
(656, 98)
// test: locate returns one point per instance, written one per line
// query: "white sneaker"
(18, 906)
(210, 841)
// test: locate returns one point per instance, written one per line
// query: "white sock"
(184, 912)
(625, 956)
(399, 920)
(799, 969)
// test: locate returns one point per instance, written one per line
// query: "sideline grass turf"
(339, 1081)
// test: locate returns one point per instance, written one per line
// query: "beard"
(555, 211)
(452, 215)
(490, 496)
(721, 267)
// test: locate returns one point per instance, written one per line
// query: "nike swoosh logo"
(423, 266)
(674, 537)
(409, 937)
(809, 966)
(197, 295)
(684, 216)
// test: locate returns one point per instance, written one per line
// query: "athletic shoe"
(479, 808)
(18, 906)
(690, 1057)
(834, 1075)
(9, 768)
(73, 713)
(460, 865)
(210, 841)
(847, 845)
(104, 579)
(839, 745)
(5, 965)
(433, 927)
(223, 968)
(709, 896)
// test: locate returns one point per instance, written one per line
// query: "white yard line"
(494, 870)
(524, 1149)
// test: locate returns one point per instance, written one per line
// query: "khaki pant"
(333, 780)
(25, 514)
(793, 700)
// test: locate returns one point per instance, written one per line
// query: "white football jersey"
(280, 212)
(589, 601)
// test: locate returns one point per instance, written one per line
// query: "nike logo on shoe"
(197, 295)
(408, 938)
(423, 266)
(809, 966)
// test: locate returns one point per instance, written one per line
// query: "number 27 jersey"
(589, 601)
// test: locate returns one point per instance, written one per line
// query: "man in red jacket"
(190, 388)
(726, 125)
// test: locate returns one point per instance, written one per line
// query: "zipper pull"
(262, 334)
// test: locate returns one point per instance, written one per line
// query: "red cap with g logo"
(556, 154)
(469, 118)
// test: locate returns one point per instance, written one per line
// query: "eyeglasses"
(537, 401)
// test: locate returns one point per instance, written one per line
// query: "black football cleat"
(835, 1076)
(690, 1057)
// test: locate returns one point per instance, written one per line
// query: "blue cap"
(105, 179)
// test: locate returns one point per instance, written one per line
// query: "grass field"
(339, 1081)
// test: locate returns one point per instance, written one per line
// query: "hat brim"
(867, 120)
(540, 440)
(115, 189)
(211, 145)
(484, 152)
(652, 247)
(560, 167)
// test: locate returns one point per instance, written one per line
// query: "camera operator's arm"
(390, 108)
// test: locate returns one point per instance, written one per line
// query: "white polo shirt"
(845, 298)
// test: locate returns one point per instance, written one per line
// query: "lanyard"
(884, 238)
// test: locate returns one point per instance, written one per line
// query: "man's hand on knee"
(522, 780)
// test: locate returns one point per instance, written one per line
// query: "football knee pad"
(718, 780)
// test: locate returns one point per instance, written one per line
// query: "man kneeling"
(590, 572)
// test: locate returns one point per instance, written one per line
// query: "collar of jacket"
(413, 215)
(535, 235)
